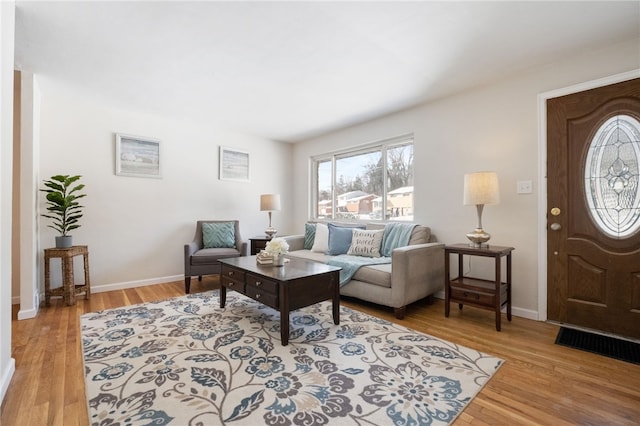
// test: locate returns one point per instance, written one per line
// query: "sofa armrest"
(417, 271)
(296, 242)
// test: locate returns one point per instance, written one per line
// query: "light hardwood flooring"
(540, 382)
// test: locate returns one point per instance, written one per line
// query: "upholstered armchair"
(213, 240)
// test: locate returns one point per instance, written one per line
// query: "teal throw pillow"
(309, 235)
(219, 235)
(340, 238)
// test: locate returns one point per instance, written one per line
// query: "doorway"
(593, 208)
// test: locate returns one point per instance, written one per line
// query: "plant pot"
(64, 241)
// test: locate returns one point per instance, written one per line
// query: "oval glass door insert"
(612, 175)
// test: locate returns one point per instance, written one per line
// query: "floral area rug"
(185, 361)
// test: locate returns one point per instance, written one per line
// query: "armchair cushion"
(218, 235)
(211, 256)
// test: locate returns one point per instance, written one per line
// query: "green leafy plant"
(62, 202)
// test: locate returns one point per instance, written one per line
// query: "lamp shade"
(481, 188)
(269, 202)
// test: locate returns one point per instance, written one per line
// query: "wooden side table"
(258, 243)
(69, 289)
(474, 291)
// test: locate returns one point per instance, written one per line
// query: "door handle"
(555, 226)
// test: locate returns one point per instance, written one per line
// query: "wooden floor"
(540, 382)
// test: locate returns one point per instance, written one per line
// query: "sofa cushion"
(340, 238)
(366, 243)
(375, 274)
(309, 255)
(321, 240)
(218, 235)
(420, 235)
(309, 235)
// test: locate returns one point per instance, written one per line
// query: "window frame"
(381, 145)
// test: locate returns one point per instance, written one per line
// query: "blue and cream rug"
(185, 361)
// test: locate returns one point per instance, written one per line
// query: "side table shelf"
(69, 289)
(487, 294)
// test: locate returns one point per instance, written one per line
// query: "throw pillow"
(366, 243)
(309, 235)
(321, 240)
(219, 235)
(340, 238)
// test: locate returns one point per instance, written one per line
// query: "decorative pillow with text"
(365, 242)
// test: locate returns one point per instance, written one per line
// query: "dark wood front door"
(593, 215)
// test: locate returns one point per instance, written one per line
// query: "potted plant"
(63, 207)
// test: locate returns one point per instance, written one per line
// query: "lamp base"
(478, 238)
(270, 232)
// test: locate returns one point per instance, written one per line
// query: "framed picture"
(234, 164)
(137, 156)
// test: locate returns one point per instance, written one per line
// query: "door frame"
(542, 172)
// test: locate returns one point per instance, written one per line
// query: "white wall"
(28, 274)
(136, 227)
(7, 23)
(489, 128)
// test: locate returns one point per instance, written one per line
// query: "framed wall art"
(234, 164)
(137, 156)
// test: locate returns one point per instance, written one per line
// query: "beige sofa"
(416, 271)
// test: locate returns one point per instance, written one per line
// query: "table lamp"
(269, 203)
(480, 188)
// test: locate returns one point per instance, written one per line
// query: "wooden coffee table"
(297, 284)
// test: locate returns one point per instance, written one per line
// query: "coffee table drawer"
(232, 278)
(261, 296)
(265, 285)
(262, 290)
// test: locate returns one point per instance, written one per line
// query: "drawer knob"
(257, 295)
(230, 284)
(230, 273)
(258, 283)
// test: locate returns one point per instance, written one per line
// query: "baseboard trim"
(133, 284)
(515, 311)
(31, 313)
(7, 375)
(24, 314)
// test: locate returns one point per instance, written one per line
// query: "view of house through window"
(370, 183)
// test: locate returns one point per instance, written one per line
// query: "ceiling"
(293, 70)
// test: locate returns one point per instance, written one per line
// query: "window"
(612, 177)
(374, 182)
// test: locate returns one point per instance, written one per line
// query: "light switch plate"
(525, 187)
